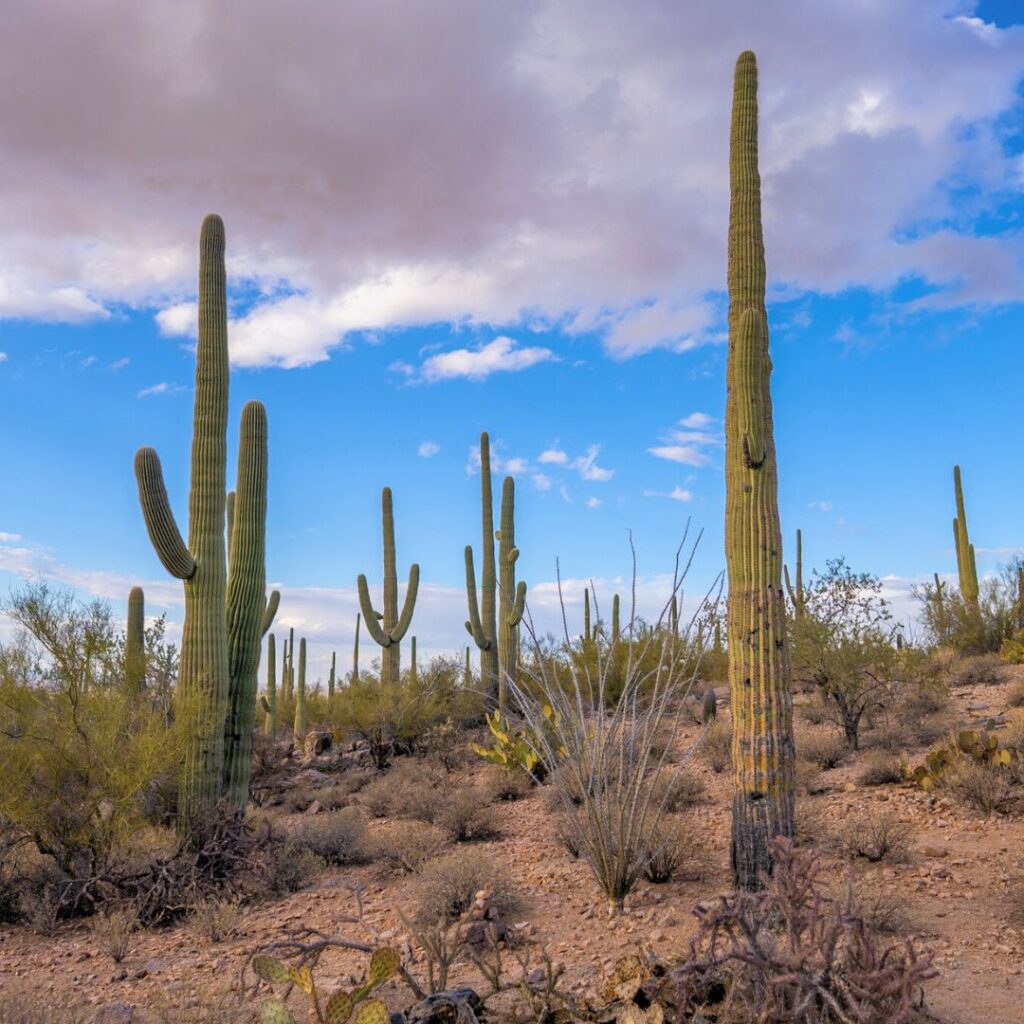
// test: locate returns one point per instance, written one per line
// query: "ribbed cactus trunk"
(355, 651)
(270, 721)
(300, 694)
(797, 597)
(513, 595)
(616, 624)
(203, 668)
(674, 616)
(248, 613)
(482, 624)
(413, 671)
(135, 643)
(331, 677)
(389, 628)
(965, 562)
(587, 635)
(762, 745)
(288, 669)
(467, 671)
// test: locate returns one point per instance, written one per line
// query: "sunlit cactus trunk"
(797, 597)
(512, 599)
(355, 651)
(482, 624)
(300, 694)
(135, 643)
(388, 628)
(331, 678)
(616, 626)
(967, 567)
(270, 721)
(762, 746)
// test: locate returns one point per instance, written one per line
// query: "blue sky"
(517, 228)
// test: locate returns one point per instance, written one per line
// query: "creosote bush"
(716, 745)
(215, 919)
(876, 837)
(406, 846)
(447, 886)
(114, 930)
(338, 837)
(822, 748)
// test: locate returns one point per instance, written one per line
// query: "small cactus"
(709, 706)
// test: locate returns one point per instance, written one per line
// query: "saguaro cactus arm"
(370, 617)
(229, 516)
(473, 624)
(135, 642)
(270, 611)
(156, 511)
(408, 606)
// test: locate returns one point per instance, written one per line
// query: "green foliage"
(515, 748)
(969, 745)
(344, 1005)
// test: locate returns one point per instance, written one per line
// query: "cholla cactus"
(342, 1006)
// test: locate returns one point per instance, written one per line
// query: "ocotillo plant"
(135, 642)
(512, 599)
(270, 722)
(389, 628)
(205, 665)
(355, 652)
(482, 624)
(965, 563)
(331, 677)
(762, 744)
(797, 596)
(300, 694)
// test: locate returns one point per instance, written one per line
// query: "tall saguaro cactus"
(512, 599)
(615, 619)
(221, 633)
(135, 642)
(300, 693)
(331, 678)
(270, 707)
(762, 744)
(482, 624)
(587, 632)
(355, 652)
(389, 629)
(965, 562)
(797, 596)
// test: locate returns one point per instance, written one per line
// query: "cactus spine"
(300, 693)
(270, 721)
(615, 619)
(217, 634)
(797, 596)
(965, 562)
(388, 632)
(355, 651)
(331, 677)
(135, 642)
(512, 599)
(762, 744)
(482, 624)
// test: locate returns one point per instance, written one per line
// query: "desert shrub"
(977, 670)
(789, 952)
(813, 827)
(881, 768)
(114, 930)
(405, 846)
(409, 790)
(337, 838)
(298, 799)
(1014, 737)
(465, 815)
(876, 837)
(215, 919)
(813, 713)
(288, 867)
(716, 745)
(1015, 695)
(569, 839)
(822, 748)
(676, 852)
(446, 744)
(984, 787)
(29, 1007)
(447, 886)
(681, 790)
(500, 785)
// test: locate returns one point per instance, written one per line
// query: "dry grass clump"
(337, 838)
(289, 866)
(409, 790)
(448, 885)
(823, 748)
(881, 768)
(983, 787)
(498, 784)
(405, 846)
(215, 919)
(677, 853)
(876, 837)
(716, 745)
(24, 1007)
(466, 816)
(680, 790)
(1015, 695)
(114, 930)
(977, 670)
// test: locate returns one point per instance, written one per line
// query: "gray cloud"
(556, 161)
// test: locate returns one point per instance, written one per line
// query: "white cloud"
(428, 449)
(516, 466)
(9, 538)
(594, 502)
(553, 457)
(565, 495)
(542, 481)
(686, 455)
(3, 357)
(696, 421)
(676, 494)
(498, 356)
(821, 506)
(179, 320)
(163, 388)
(546, 200)
(118, 364)
(587, 467)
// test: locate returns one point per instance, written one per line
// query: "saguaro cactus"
(762, 745)
(965, 562)
(412, 662)
(674, 615)
(482, 624)
(615, 619)
(390, 627)
(512, 599)
(300, 693)
(796, 593)
(467, 671)
(135, 642)
(288, 668)
(587, 632)
(331, 677)
(270, 706)
(355, 652)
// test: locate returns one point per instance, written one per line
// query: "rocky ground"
(959, 887)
